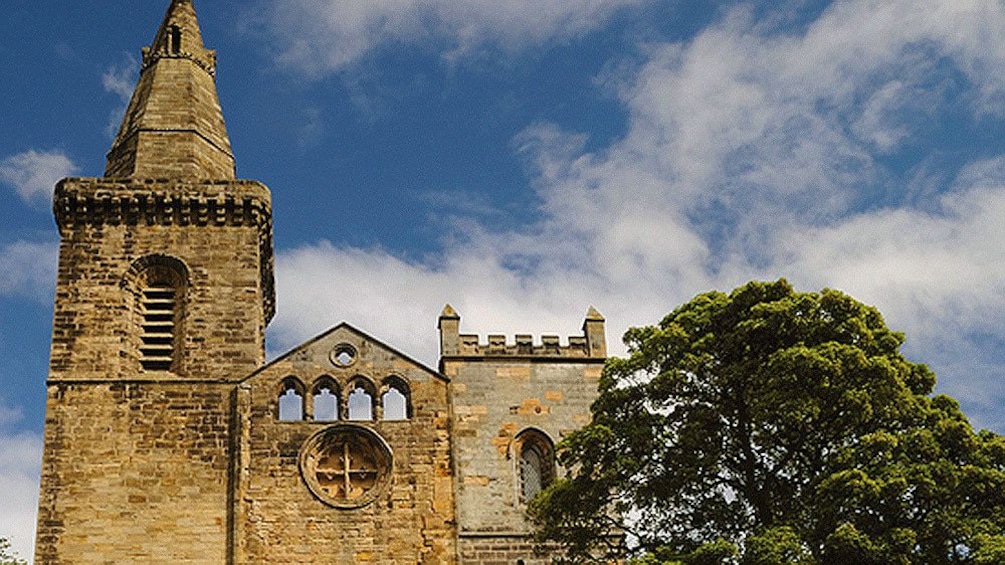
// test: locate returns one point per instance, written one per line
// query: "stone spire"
(173, 128)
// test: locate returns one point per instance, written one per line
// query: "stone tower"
(164, 289)
(511, 403)
(169, 439)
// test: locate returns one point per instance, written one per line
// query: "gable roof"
(344, 326)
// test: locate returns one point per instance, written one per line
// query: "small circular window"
(343, 355)
(346, 465)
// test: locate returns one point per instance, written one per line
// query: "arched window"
(325, 396)
(536, 463)
(359, 400)
(291, 400)
(158, 284)
(395, 400)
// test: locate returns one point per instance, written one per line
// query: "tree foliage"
(769, 426)
(7, 555)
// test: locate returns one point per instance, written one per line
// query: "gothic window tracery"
(291, 400)
(396, 399)
(325, 400)
(346, 465)
(360, 399)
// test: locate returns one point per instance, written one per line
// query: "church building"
(170, 439)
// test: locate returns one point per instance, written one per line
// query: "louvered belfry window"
(158, 304)
(159, 285)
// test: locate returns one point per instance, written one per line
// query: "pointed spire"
(174, 126)
(179, 32)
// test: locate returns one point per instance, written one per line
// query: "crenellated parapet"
(591, 344)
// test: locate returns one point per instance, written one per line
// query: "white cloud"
(29, 270)
(20, 472)
(749, 154)
(33, 174)
(120, 80)
(19, 479)
(319, 36)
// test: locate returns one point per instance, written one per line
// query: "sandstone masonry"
(169, 439)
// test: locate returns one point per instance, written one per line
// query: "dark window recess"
(175, 39)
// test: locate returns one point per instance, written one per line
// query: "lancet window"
(360, 399)
(159, 284)
(175, 40)
(536, 463)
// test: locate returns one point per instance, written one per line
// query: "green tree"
(769, 426)
(7, 555)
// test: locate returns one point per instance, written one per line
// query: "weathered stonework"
(173, 126)
(501, 391)
(169, 439)
(282, 521)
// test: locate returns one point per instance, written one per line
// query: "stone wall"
(500, 391)
(135, 473)
(409, 520)
(136, 465)
(220, 231)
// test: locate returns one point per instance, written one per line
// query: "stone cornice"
(94, 201)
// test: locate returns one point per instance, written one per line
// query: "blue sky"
(523, 160)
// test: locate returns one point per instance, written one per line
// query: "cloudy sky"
(525, 159)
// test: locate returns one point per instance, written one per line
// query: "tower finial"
(174, 126)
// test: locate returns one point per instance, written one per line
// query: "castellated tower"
(164, 289)
(511, 403)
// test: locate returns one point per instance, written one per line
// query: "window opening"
(395, 404)
(157, 286)
(343, 355)
(325, 403)
(360, 404)
(537, 466)
(348, 472)
(158, 338)
(291, 403)
(346, 466)
(175, 39)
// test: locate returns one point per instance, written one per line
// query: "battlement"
(592, 344)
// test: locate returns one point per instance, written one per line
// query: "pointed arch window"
(359, 400)
(325, 400)
(395, 400)
(536, 463)
(291, 400)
